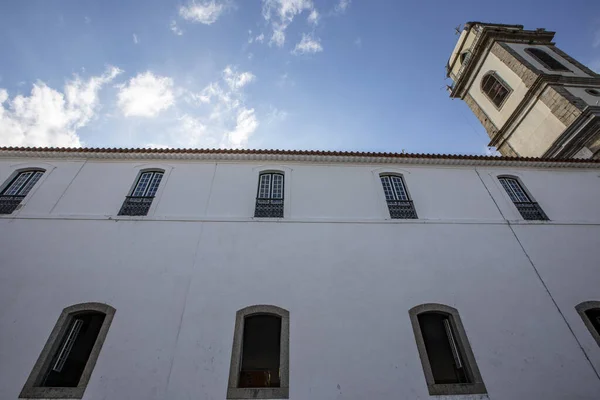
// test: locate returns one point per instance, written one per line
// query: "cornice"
(290, 156)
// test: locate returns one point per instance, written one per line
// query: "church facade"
(233, 274)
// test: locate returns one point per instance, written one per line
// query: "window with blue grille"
(399, 203)
(142, 195)
(269, 199)
(17, 189)
(529, 209)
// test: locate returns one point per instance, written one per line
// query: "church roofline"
(294, 155)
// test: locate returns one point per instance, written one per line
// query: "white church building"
(255, 274)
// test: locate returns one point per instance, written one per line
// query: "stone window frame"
(581, 309)
(509, 89)
(443, 389)
(32, 390)
(531, 51)
(282, 392)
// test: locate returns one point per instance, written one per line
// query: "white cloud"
(246, 124)
(281, 13)
(175, 29)
(313, 17)
(358, 42)
(48, 117)
(205, 12)
(284, 80)
(135, 39)
(145, 95)
(276, 115)
(342, 6)
(308, 45)
(260, 38)
(226, 121)
(237, 80)
(278, 37)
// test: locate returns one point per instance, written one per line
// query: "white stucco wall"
(498, 116)
(520, 49)
(346, 273)
(537, 131)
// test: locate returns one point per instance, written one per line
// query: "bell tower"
(531, 97)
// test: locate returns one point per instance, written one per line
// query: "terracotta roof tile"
(288, 152)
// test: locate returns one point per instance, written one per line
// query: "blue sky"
(285, 74)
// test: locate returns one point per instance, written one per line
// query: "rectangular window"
(396, 196)
(269, 200)
(142, 194)
(15, 192)
(529, 209)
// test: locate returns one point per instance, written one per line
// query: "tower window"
(260, 354)
(593, 92)
(269, 199)
(465, 57)
(546, 59)
(68, 359)
(17, 189)
(399, 203)
(447, 358)
(495, 89)
(529, 209)
(589, 311)
(142, 195)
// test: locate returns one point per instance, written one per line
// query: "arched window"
(269, 197)
(589, 311)
(495, 88)
(529, 209)
(260, 354)
(16, 190)
(142, 194)
(546, 59)
(448, 361)
(399, 203)
(65, 365)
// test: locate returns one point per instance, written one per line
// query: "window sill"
(456, 389)
(258, 393)
(52, 393)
